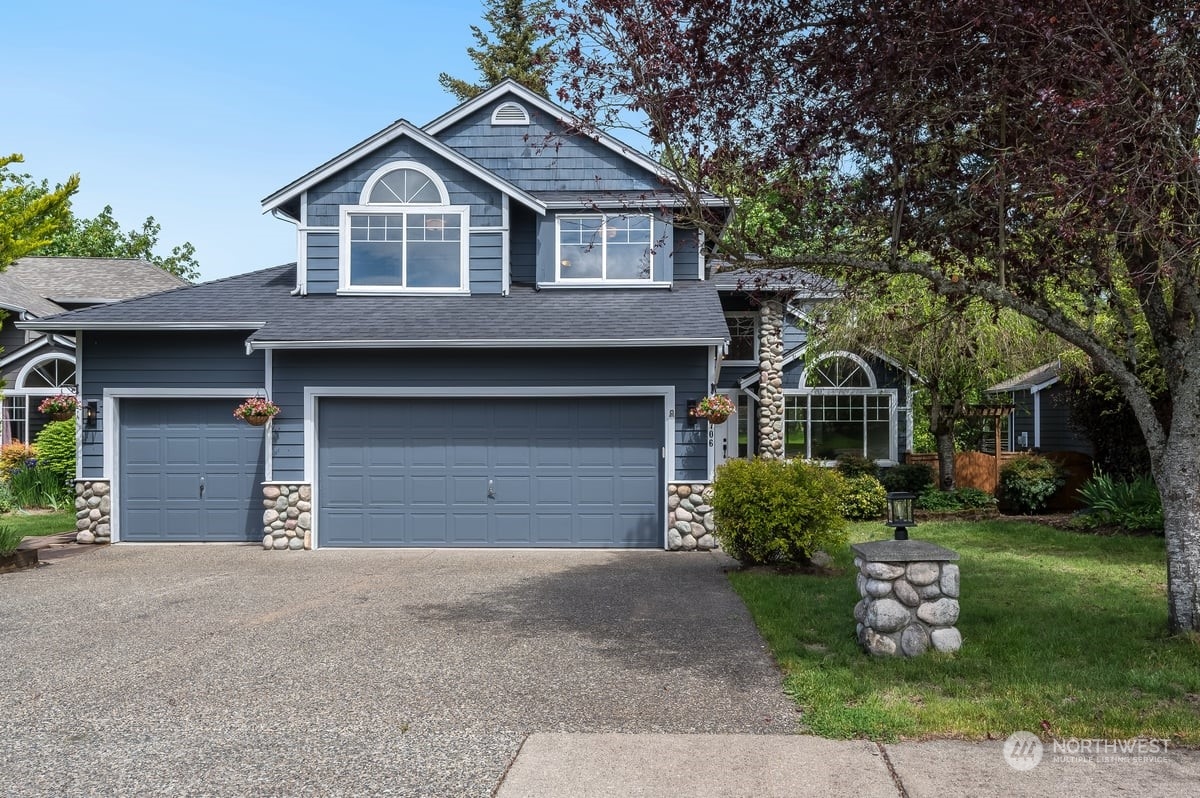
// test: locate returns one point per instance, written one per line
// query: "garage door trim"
(111, 430)
(313, 393)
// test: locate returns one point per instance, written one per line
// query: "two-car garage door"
(392, 471)
(554, 472)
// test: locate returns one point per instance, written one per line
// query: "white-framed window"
(405, 237)
(607, 248)
(743, 337)
(48, 375)
(838, 409)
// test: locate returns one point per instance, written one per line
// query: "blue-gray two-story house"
(490, 338)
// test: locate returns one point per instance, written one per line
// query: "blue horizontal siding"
(686, 254)
(487, 263)
(686, 369)
(160, 360)
(322, 263)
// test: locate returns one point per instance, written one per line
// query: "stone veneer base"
(287, 516)
(93, 511)
(690, 523)
(909, 603)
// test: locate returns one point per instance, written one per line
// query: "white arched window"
(46, 375)
(837, 408)
(405, 236)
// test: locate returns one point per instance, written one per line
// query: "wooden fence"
(979, 470)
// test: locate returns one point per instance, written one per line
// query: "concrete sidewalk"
(796, 766)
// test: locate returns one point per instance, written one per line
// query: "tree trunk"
(941, 424)
(1178, 478)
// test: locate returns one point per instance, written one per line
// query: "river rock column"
(287, 516)
(93, 511)
(770, 379)
(691, 525)
(909, 603)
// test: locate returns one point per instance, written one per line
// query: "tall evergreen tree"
(519, 51)
(31, 214)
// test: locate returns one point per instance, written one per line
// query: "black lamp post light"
(900, 513)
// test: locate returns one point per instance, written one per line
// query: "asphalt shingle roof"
(38, 285)
(1047, 372)
(262, 301)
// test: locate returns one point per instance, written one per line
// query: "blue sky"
(194, 111)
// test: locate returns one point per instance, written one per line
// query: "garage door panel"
(556, 467)
(166, 447)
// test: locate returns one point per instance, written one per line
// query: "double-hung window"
(605, 248)
(404, 236)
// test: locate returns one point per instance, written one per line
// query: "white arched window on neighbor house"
(838, 409)
(404, 236)
(47, 375)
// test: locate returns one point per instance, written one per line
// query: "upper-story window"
(609, 248)
(743, 337)
(405, 236)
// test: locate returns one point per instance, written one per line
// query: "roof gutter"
(525, 343)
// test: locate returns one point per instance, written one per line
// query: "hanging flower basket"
(716, 408)
(256, 411)
(61, 407)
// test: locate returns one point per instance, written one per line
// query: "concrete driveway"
(226, 670)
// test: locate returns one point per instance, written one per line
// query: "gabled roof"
(688, 314)
(511, 87)
(40, 287)
(399, 128)
(1034, 380)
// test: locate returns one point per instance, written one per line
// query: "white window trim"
(345, 287)
(395, 166)
(893, 396)
(744, 314)
(28, 368)
(601, 281)
(870, 372)
(313, 393)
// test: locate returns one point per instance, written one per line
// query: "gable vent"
(510, 114)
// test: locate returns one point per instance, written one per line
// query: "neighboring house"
(34, 365)
(1041, 417)
(490, 338)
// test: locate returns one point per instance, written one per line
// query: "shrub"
(772, 510)
(56, 448)
(34, 486)
(1133, 505)
(1028, 482)
(9, 539)
(853, 465)
(862, 498)
(14, 456)
(910, 478)
(942, 501)
(6, 498)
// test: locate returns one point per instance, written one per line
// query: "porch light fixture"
(89, 413)
(691, 411)
(900, 513)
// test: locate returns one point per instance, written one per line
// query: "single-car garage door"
(189, 472)
(556, 472)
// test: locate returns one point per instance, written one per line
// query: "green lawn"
(39, 523)
(1064, 634)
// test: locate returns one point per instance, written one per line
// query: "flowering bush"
(64, 403)
(256, 407)
(14, 456)
(716, 407)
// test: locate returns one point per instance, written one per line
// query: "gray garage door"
(189, 472)
(490, 472)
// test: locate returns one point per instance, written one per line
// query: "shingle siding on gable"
(543, 156)
(295, 370)
(161, 360)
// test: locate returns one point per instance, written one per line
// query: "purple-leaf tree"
(1044, 157)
